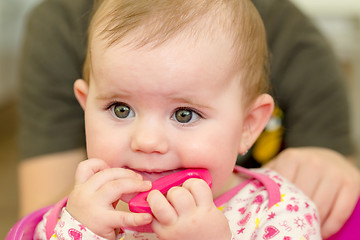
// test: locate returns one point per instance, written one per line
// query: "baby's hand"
(97, 190)
(188, 212)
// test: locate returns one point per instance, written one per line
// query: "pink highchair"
(25, 227)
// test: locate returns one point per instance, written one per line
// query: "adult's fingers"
(286, 163)
(338, 216)
(342, 208)
(326, 194)
(308, 178)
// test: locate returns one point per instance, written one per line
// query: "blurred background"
(340, 23)
(338, 20)
(12, 16)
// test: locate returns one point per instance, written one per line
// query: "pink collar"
(271, 187)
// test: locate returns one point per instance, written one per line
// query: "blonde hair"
(153, 22)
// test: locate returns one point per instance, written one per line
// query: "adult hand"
(97, 191)
(327, 177)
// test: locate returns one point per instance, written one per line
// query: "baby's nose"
(149, 138)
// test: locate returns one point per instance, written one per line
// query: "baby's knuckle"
(111, 186)
(82, 166)
(193, 183)
(159, 210)
(126, 220)
(175, 191)
(122, 220)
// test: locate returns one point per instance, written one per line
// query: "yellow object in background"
(269, 143)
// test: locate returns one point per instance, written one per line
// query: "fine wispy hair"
(151, 23)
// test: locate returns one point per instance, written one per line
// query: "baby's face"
(167, 108)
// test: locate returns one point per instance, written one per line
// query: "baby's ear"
(255, 119)
(81, 89)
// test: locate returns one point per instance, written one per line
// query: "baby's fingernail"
(147, 218)
(148, 183)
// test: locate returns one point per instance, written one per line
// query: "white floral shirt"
(265, 207)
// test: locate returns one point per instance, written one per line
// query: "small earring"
(247, 149)
(243, 154)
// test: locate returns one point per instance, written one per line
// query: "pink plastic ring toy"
(139, 204)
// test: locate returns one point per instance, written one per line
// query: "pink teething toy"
(140, 205)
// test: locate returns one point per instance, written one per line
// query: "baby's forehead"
(204, 54)
(186, 46)
(139, 41)
(154, 24)
(152, 36)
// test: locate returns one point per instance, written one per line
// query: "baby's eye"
(122, 110)
(185, 115)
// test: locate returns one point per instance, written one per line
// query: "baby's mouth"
(155, 175)
(149, 176)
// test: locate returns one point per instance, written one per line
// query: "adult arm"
(39, 184)
(51, 121)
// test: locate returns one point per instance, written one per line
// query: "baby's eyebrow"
(114, 95)
(174, 99)
(190, 102)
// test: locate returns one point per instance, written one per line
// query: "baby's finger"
(110, 174)
(116, 189)
(88, 168)
(122, 219)
(156, 226)
(161, 208)
(182, 200)
(200, 191)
